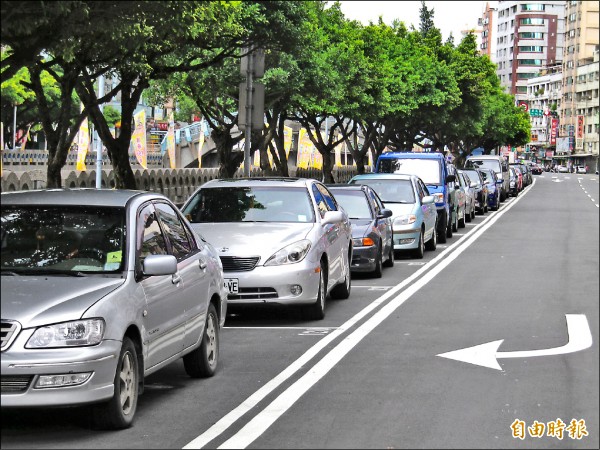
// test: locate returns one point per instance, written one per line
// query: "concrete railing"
(176, 184)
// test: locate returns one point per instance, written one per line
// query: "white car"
(562, 169)
(281, 240)
(581, 169)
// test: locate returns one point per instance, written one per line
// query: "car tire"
(461, 222)
(378, 272)
(390, 261)
(202, 362)
(441, 229)
(316, 310)
(469, 217)
(450, 226)
(118, 413)
(420, 250)
(431, 244)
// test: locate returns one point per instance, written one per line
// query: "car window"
(389, 190)
(426, 169)
(150, 239)
(375, 201)
(320, 200)
(355, 203)
(329, 199)
(174, 230)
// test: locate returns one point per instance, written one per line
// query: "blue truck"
(432, 169)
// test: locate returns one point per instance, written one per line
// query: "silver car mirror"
(428, 199)
(159, 265)
(332, 217)
(385, 213)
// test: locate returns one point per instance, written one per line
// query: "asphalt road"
(382, 369)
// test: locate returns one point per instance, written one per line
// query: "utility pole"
(252, 99)
(99, 145)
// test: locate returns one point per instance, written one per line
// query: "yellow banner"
(83, 144)
(138, 138)
(200, 145)
(305, 147)
(338, 152)
(287, 140)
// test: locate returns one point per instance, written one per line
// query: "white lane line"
(279, 328)
(263, 420)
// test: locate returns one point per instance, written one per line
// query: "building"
(488, 35)
(529, 38)
(543, 102)
(579, 112)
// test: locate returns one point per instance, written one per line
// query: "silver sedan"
(281, 240)
(99, 289)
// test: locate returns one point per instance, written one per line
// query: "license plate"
(232, 285)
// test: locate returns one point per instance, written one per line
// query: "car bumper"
(364, 259)
(273, 284)
(407, 238)
(21, 370)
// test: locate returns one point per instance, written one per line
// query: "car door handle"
(202, 264)
(176, 279)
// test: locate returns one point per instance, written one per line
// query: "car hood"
(252, 238)
(40, 300)
(360, 227)
(400, 209)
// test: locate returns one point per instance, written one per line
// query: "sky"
(448, 16)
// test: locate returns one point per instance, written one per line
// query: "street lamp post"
(99, 145)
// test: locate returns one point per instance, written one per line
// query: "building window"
(572, 17)
(533, 7)
(532, 21)
(521, 89)
(531, 35)
(530, 62)
(531, 48)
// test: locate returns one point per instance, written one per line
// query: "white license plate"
(232, 285)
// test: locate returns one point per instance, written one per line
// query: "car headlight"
(68, 334)
(290, 254)
(407, 219)
(439, 197)
(363, 242)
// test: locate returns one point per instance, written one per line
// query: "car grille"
(10, 330)
(236, 264)
(15, 383)
(253, 294)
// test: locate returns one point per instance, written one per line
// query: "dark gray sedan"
(99, 289)
(372, 236)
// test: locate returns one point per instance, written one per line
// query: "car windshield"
(487, 176)
(426, 169)
(390, 191)
(472, 175)
(250, 204)
(492, 164)
(67, 240)
(354, 202)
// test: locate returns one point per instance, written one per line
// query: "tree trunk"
(229, 162)
(327, 164)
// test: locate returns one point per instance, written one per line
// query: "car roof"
(259, 181)
(419, 155)
(380, 176)
(74, 196)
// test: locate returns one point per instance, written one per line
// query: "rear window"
(426, 169)
(492, 164)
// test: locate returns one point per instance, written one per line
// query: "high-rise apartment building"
(529, 39)
(579, 108)
(488, 35)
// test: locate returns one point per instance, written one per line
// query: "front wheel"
(419, 251)
(202, 362)
(390, 261)
(441, 228)
(378, 272)
(316, 310)
(431, 244)
(119, 411)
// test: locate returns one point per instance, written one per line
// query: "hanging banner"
(83, 144)
(200, 145)
(338, 152)
(25, 138)
(171, 141)
(138, 138)
(287, 140)
(304, 149)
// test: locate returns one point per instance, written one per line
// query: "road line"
(263, 420)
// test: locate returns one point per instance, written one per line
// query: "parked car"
(526, 178)
(101, 288)
(536, 169)
(493, 187)
(562, 169)
(458, 200)
(495, 162)
(514, 183)
(281, 240)
(414, 211)
(581, 169)
(372, 238)
(432, 169)
(480, 187)
(519, 178)
(465, 185)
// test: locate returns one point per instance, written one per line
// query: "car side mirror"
(159, 265)
(450, 178)
(332, 217)
(498, 181)
(428, 199)
(385, 213)
(473, 184)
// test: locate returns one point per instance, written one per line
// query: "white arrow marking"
(487, 355)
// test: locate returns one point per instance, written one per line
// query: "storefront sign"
(553, 131)
(580, 127)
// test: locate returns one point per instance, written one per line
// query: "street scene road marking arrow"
(487, 355)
